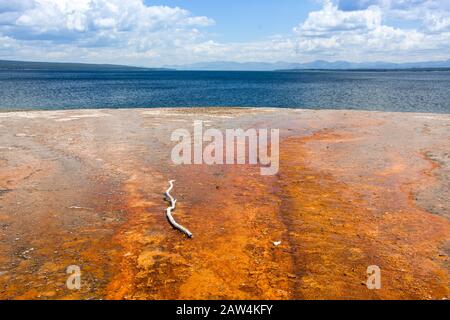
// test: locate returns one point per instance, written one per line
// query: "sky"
(157, 33)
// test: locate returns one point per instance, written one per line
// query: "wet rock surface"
(354, 189)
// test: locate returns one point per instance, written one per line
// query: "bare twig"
(169, 210)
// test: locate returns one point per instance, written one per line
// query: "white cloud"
(357, 31)
(434, 14)
(437, 21)
(116, 28)
(61, 19)
(330, 20)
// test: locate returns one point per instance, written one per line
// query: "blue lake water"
(410, 91)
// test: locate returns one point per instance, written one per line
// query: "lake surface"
(410, 91)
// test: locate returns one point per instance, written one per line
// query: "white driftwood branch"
(169, 210)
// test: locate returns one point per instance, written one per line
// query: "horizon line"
(186, 67)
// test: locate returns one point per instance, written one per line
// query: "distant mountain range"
(315, 65)
(27, 65)
(226, 66)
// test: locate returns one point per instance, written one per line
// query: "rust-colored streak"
(339, 229)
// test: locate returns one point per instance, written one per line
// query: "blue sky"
(166, 32)
(247, 20)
